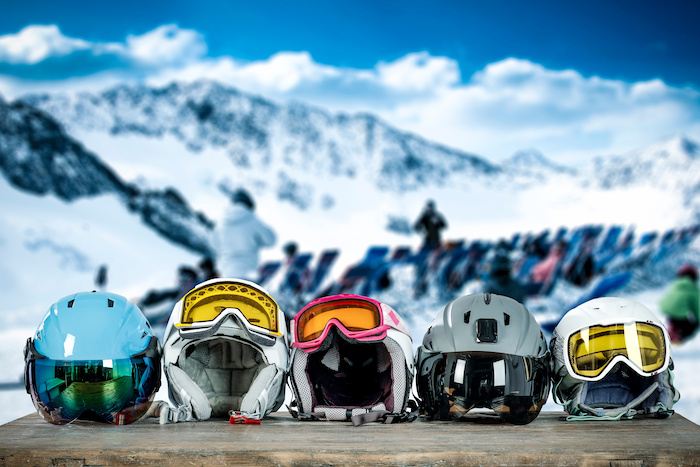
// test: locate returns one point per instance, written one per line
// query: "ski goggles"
(593, 351)
(357, 317)
(116, 391)
(514, 387)
(205, 308)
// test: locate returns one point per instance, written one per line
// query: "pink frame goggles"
(357, 317)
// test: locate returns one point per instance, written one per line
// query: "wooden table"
(281, 440)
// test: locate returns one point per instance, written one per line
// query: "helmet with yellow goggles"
(612, 359)
(225, 351)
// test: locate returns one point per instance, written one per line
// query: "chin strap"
(261, 396)
(585, 412)
(384, 416)
(357, 416)
(258, 401)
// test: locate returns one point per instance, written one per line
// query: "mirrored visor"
(514, 387)
(353, 314)
(112, 391)
(204, 304)
(592, 349)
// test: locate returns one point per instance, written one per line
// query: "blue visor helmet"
(93, 357)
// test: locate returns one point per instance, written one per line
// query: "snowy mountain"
(189, 144)
(532, 164)
(37, 156)
(261, 135)
(672, 165)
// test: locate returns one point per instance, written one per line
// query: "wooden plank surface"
(281, 440)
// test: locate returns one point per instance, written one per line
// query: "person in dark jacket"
(430, 223)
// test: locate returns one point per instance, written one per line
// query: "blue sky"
(572, 79)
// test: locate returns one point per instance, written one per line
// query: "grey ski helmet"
(483, 351)
(612, 360)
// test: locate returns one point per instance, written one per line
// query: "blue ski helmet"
(93, 357)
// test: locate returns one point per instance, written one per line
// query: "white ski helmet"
(612, 360)
(483, 351)
(352, 359)
(225, 350)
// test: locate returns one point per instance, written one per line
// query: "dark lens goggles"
(113, 391)
(514, 387)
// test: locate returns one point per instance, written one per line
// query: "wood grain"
(281, 440)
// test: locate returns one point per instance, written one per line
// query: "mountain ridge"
(37, 156)
(290, 146)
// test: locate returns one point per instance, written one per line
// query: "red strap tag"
(237, 418)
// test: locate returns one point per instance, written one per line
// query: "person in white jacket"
(239, 237)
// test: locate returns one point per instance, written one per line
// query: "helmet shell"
(599, 311)
(229, 332)
(92, 326)
(397, 346)
(570, 388)
(173, 343)
(485, 323)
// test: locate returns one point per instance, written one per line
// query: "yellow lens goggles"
(204, 304)
(592, 350)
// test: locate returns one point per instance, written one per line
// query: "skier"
(430, 223)
(239, 236)
(681, 304)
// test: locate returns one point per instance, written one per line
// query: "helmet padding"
(225, 370)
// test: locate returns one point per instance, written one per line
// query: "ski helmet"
(226, 350)
(352, 358)
(93, 357)
(612, 359)
(483, 351)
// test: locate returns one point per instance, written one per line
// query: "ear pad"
(185, 388)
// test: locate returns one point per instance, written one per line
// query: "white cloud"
(166, 45)
(508, 105)
(418, 72)
(35, 43)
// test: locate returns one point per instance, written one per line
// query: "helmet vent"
(506, 319)
(70, 304)
(466, 316)
(110, 303)
(487, 298)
